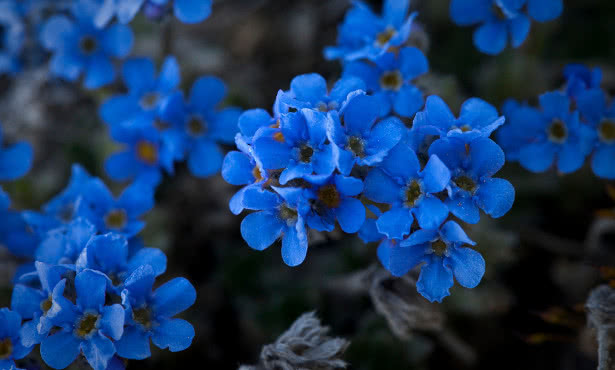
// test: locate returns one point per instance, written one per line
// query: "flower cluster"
(159, 126)
(187, 11)
(570, 125)
(502, 21)
(88, 289)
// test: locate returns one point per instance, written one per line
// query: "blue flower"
(298, 146)
(477, 119)
(515, 134)
(557, 136)
(11, 38)
(310, 91)
(441, 251)
(364, 34)
(63, 208)
(501, 20)
(119, 215)
(64, 244)
(88, 326)
(201, 125)
(333, 198)
(32, 299)
(580, 78)
(146, 153)
(79, 47)
(279, 216)
(109, 254)
(15, 233)
(187, 11)
(11, 348)
(146, 92)
(400, 182)
(360, 139)
(150, 315)
(15, 160)
(389, 79)
(594, 109)
(472, 186)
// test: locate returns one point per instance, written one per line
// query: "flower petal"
(468, 266)
(435, 280)
(174, 334)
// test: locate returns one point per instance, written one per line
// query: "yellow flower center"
(606, 131)
(391, 80)
(329, 196)
(87, 324)
(147, 152)
(116, 219)
(558, 132)
(413, 193)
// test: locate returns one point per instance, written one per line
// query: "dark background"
(528, 311)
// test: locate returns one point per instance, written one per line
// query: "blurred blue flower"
(400, 182)
(502, 20)
(119, 215)
(580, 78)
(146, 93)
(557, 136)
(280, 215)
(15, 160)
(360, 140)
(79, 47)
(11, 348)
(333, 198)
(364, 34)
(150, 315)
(187, 11)
(298, 146)
(12, 35)
(389, 79)
(108, 254)
(441, 251)
(594, 109)
(201, 124)
(472, 186)
(87, 326)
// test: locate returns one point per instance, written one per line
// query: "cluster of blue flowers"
(571, 125)
(502, 21)
(344, 155)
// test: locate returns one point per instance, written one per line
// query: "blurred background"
(543, 257)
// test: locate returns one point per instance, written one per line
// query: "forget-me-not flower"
(11, 348)
(187, 11)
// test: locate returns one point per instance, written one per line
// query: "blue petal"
(91, 287)
(537, 157)
(451, 151)
(251, 120)
(381, 188)
(408, 101)
(401, 162)
(127, 9)
(112, 321)
(323, 160)
(294, 171)
(57, 32)
(438, 113)
(224, 125)
(366, 72)
(261, 229)
(207, 91)
(237, 169)
(149, 256)
(420, 236)
(271, 153)
(477, 113)
(430, 213)
(310, 87)
(60, 350)
(121, 166)
(139, 74)
(468, 266)
(118, 40)
(394, 12)
(592, 104)
(413, 63)
(360, 114)
(66, 66)
(468, 12)
(26, 301)
(555, 104)
(396, 223)
(139, 283)
(134, 344)
(345, 86)
(174, 334)
(603, 162)
(15, 161)
(486, 157)
(383, 137)
(98, 351)
(99, 72)
(173, 297)
(257, 198)
(169, 74)
(399, 260)
(570, 157)
(435, 280)
(491, 37)
(519, 29)
(192, 11)
(435, 175)
(545, 10)
(137, 198)
(294, 244)
(348, 186)
(205, 158)
(29, 334)
(451, 232)
(118, 108)
(350, 215)
(464, 208)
